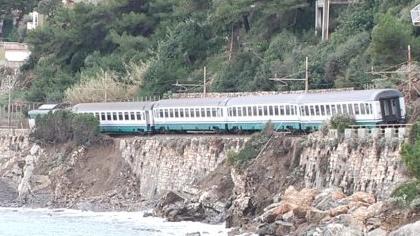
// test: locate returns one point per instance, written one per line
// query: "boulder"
(267, 229)
(362, 197)
(377, 232)
(315, 216)
(305, 197)
(360, 214)
(339, 230)
(407, 230)
(328, 199)
(338, 211)
(283, 227)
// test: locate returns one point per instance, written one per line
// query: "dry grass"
(106, 86)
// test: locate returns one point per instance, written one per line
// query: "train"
(286, 112)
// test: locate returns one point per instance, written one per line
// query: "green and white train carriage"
(120, 117)
(195, 114)
(368, 107)
(251, 113)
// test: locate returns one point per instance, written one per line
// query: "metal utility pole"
(204, 82)
(409, 72)
(306, 75)
(9, 102)
(306, 79)
(325, 20)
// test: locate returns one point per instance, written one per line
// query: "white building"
(36, 20)
(15, 54)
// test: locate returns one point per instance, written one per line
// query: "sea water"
(61, 222)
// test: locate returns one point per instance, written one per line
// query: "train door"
(147, 116)
(391, 110)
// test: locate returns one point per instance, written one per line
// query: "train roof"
(191, 102)
(112, 106)
(337, 96)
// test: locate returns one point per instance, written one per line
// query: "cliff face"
(175, 163)
(123, 173)
(369, 164)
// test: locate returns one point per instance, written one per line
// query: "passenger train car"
(248, 113)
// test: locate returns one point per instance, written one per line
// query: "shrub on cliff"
(341, 122)
(407, 192)
(410, 151)
(63, 126)
(251, 148)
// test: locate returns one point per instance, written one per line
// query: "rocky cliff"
(197, 183)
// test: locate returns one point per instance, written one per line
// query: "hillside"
(141, 48)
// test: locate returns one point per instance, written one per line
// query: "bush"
(407, 192)
(63, 126)
(341, 122)
(252, 148)
(410, 152)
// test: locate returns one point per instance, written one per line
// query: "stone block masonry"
(367, 163)
(175, 163)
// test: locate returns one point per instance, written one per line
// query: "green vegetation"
(411, 156)
(341, 122)
(242, 44)
(251, 148)
(64, 126)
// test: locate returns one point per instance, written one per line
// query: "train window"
(126, 117)
(102, 116)
(233, 111)
(322, 110)
(187, 112)
(97, 115)
(333, 111)
(160, 113)
(270, 110)
(356, 109)
(302, 110)
(345, 109)
(176, 113)
(181, 113)
(166, 113)
(244, 111)
(249, 111)
(132, 116)
(368, 111)
(362, 109)
(293, 111)
(327, 110)
(260, 111)
(192, 114)
(219, 112)
(138, 115)
(120, 116)
(339, 109)
(311, 108)
(114, 116)
(208, 112)
(265, 110)
(108, 116)
(214, 112)
(350, 106)
(239, 111)
(197, 112)
(276, 110)
(317, 110)
(306, 110)
(203, 112)
(371, 108)
(287, 110)
(282, 110)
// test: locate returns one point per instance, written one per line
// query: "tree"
(390, 39)
(49, 7)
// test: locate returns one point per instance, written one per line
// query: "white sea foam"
(64, 222)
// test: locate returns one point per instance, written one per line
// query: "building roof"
(112, 106)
